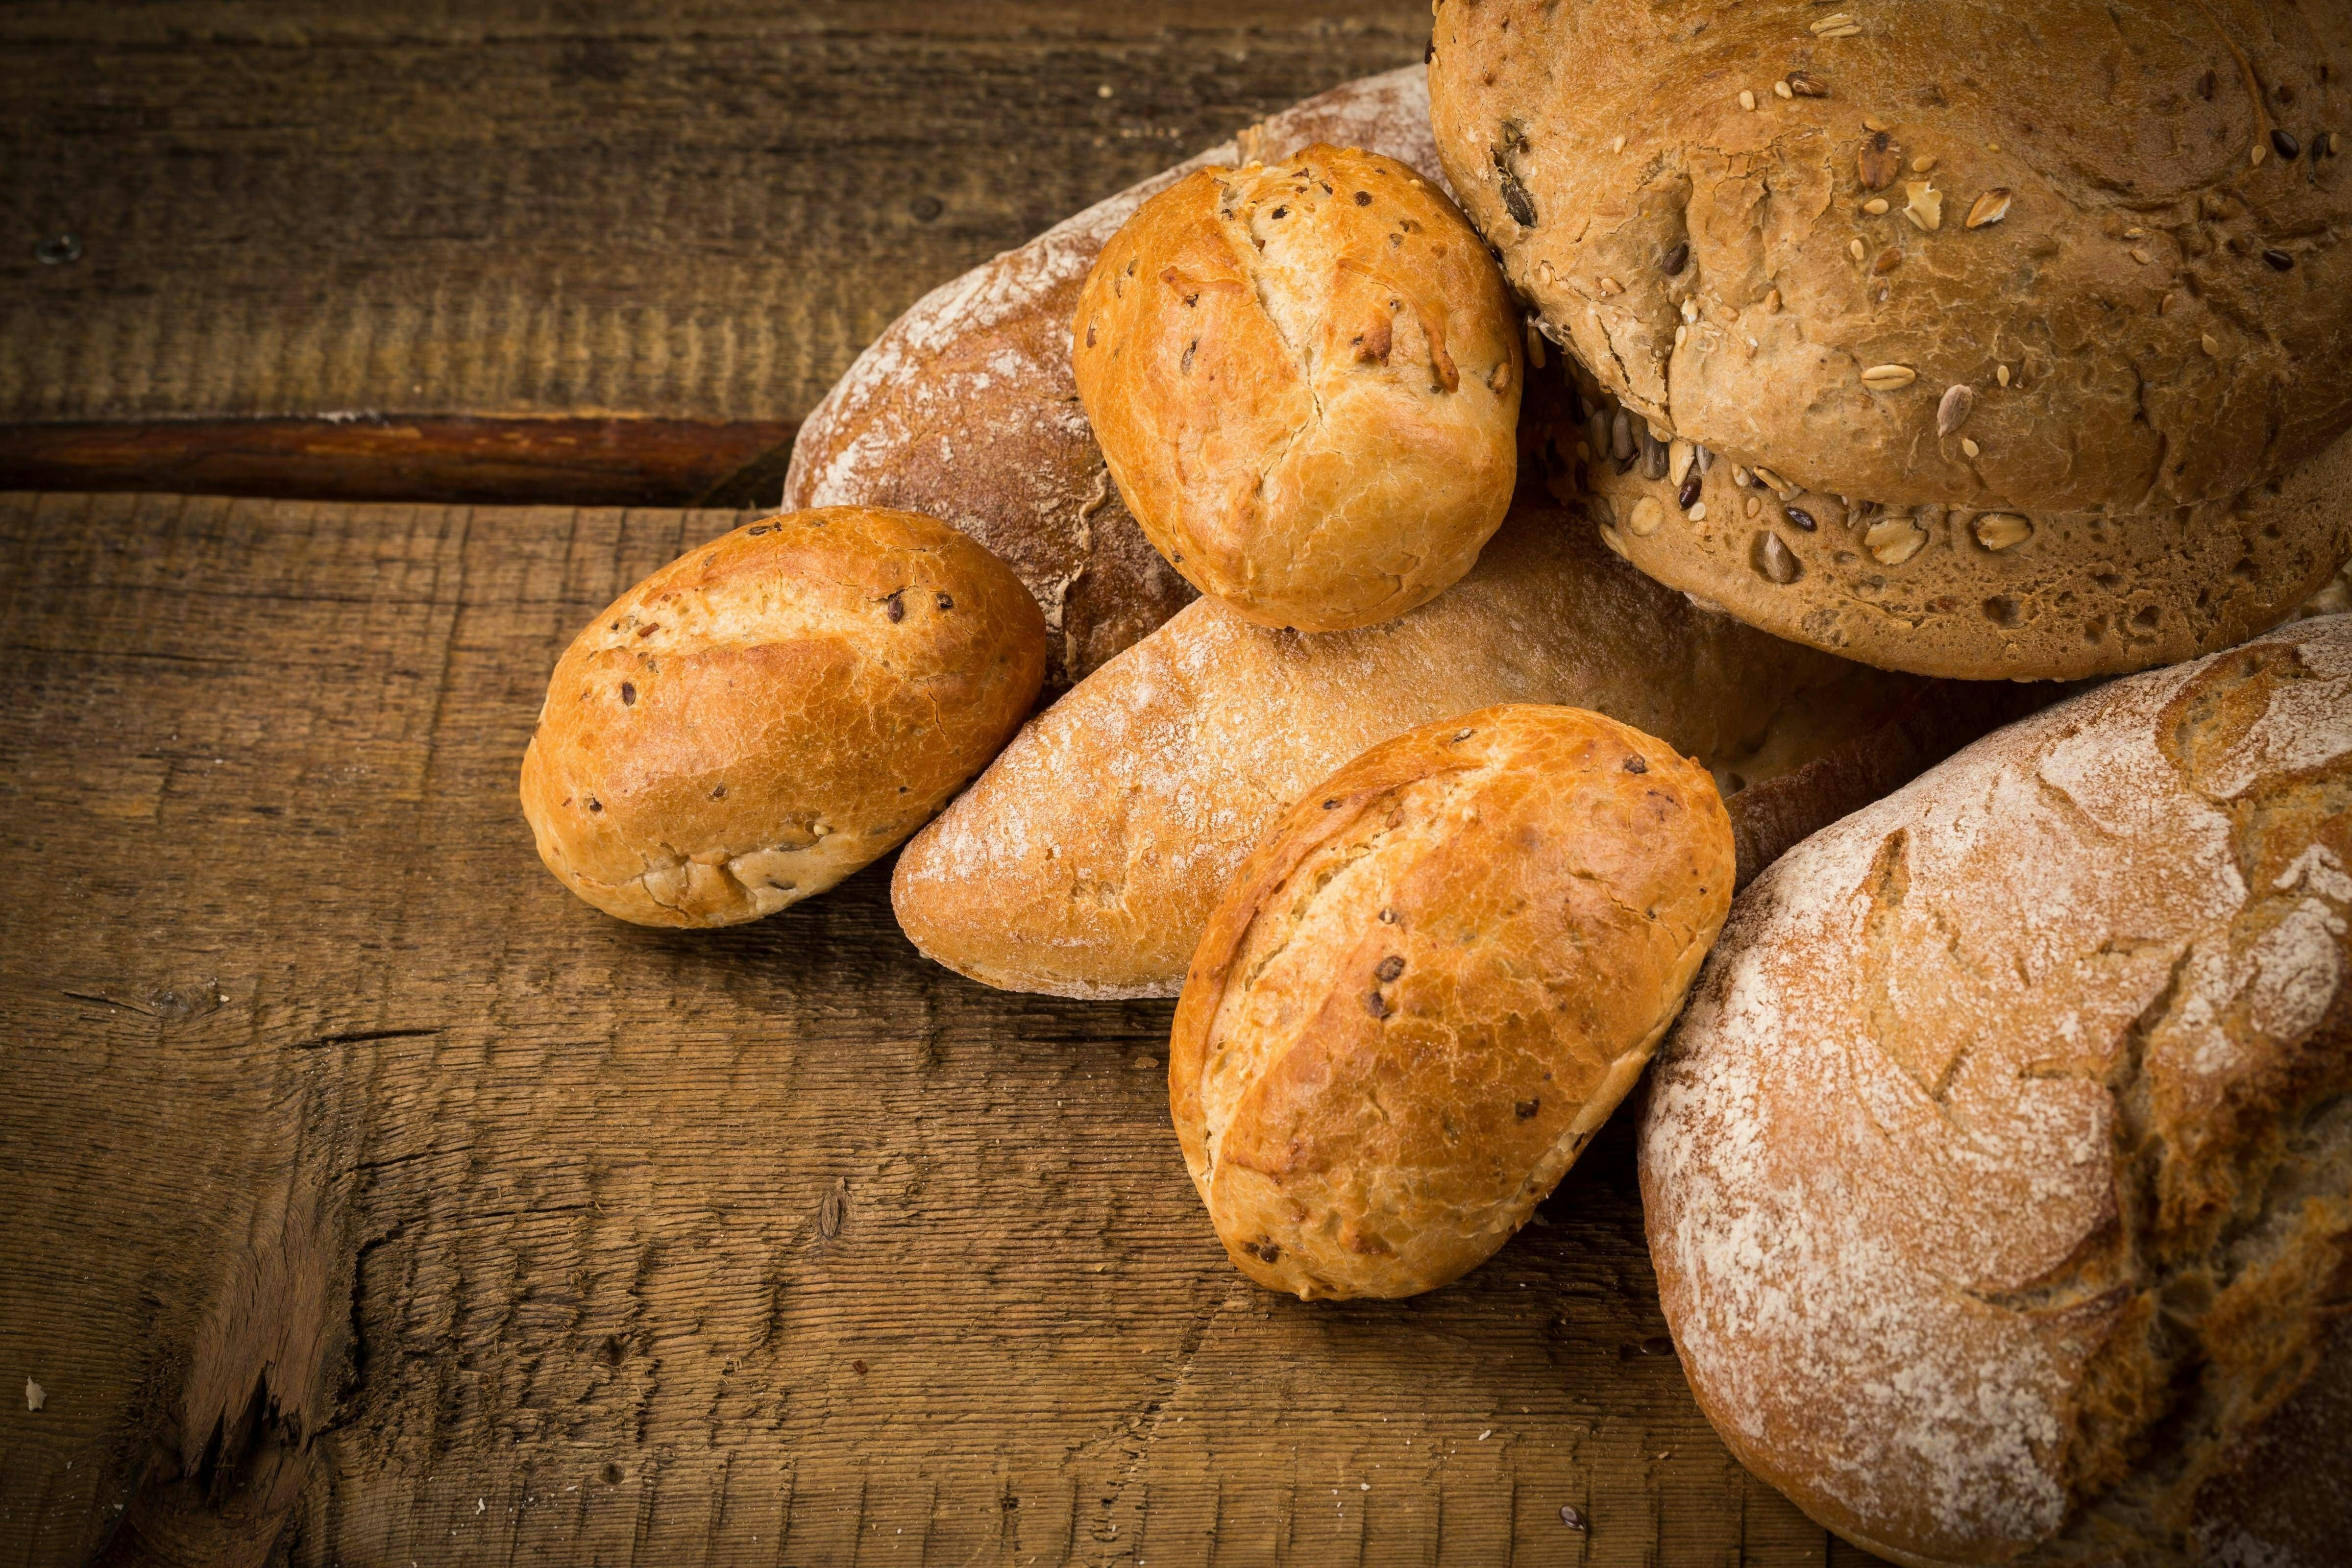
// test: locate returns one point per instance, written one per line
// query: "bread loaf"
(2035, 345)
(1086, 861)
(1998, 1177)
(1306, 378)
(774, 710)
(1431, 984)
(965, 408)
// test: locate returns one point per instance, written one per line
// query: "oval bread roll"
(1087, 860)
(774, 710)
(1999, 1178)
(1431, 984)
(1306, 378)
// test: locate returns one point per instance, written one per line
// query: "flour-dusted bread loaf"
(1430, 985)
(1305, 376)
(2034, 293)
(772, 710)
(1086, 861)
(965, 409)
(1998, 1177)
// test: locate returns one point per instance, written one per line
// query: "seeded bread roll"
(965, 408)
(2083, 193)
(1978, 595)
(1087, 860)
(774, 710)
(1431, 984)
(1999, 1178)
(1306, 378)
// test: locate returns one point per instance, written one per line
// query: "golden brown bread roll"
(1998, 1177)
(1305, 379)
(1086, 861)
(966, 409)
(1431, 984)
(2041, 296)
(774, 710)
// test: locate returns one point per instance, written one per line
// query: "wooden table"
(366, 1198)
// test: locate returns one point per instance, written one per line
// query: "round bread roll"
(2085, 193)
(1998, 1179)
(1959, 592)
(774, 710)
(1304, 377)
(1430, 984)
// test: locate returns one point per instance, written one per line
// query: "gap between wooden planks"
(371, 1196)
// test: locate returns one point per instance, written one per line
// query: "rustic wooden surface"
(695, 211)
(356, 1179)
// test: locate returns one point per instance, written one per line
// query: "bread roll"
(1306, 378)
(1086, 861)
(1979, 594)
(1431, 984)
(1998, 1177)
(965, 408)
(774, 710)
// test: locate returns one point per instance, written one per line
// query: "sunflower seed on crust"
(1776, 560)
(1959, 400)
(1990, 207)
(1892, 541)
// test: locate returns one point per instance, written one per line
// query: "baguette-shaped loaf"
(965, 409)
(1086, 861)
(1429, 986)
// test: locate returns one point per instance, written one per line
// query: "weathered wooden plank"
(692, 211)
(363, 1183)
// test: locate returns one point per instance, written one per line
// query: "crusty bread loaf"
(774, 710)
(1998, 1177)
(1978, 595)
(2046, 331)
(965, 409)
(1305, 376)
(1086, 861)
(2085, 192)
(1431, 984)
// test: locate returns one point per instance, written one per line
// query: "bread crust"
(965, 408)
(1305, 379)
(1999, 1178)
(1087, 860)
(775, 710)
(2133, 152)
(1431, 984)
(1976, 595)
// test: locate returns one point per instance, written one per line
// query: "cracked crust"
(775, 710)
(1306, 378)
(1087, 860)
(1998, 1179)
(1431, 984)
(2134, 140)
(966, 409)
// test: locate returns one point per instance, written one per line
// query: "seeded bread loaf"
(965, 408)
(1958, 592)
(1306, 378)
(1998, 1177)
(2081, 265)
(2080, 192)
(1431, 984)
(1087, 860)
(774, 710)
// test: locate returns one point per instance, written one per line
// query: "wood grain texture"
(694, 211)
(368, 1194)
